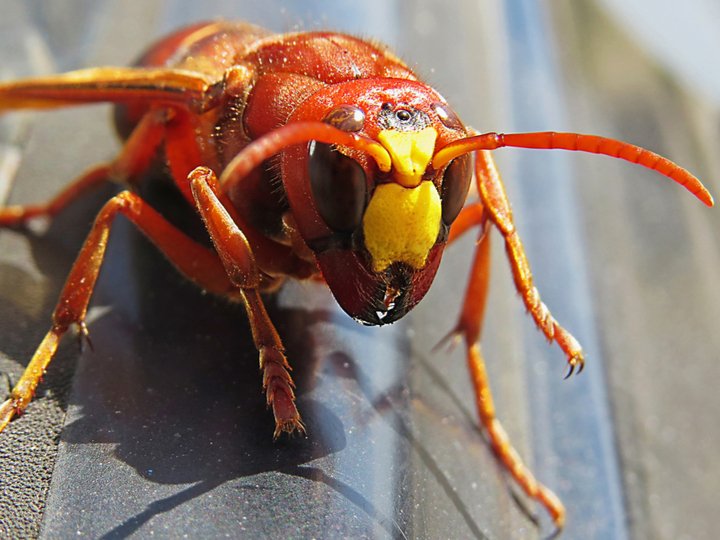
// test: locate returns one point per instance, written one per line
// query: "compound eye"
(455, 186)
(447, 116)
(338, 186)
(347, 118)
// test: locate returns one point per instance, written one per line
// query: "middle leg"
(468, 328)
(195, 261)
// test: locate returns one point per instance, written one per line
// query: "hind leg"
(133, 159)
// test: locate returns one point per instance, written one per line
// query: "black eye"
(455, 186)
(346, 117)
(402, 118)
(338, 186)
(403, 115)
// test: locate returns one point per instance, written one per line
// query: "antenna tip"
(706, 198)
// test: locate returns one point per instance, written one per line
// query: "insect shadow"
(171, 383)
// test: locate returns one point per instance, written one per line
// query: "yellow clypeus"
(401, 224)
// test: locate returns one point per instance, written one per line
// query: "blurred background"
(166, 431)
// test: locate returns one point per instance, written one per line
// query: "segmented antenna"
(549, 140)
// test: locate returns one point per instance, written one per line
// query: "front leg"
(237, 258)
(496, 203)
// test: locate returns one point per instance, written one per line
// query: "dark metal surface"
(167, 433)
(654, 259)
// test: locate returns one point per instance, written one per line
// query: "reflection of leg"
(195, 261)
(501, 443)
(237, 257)
(498, 207)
